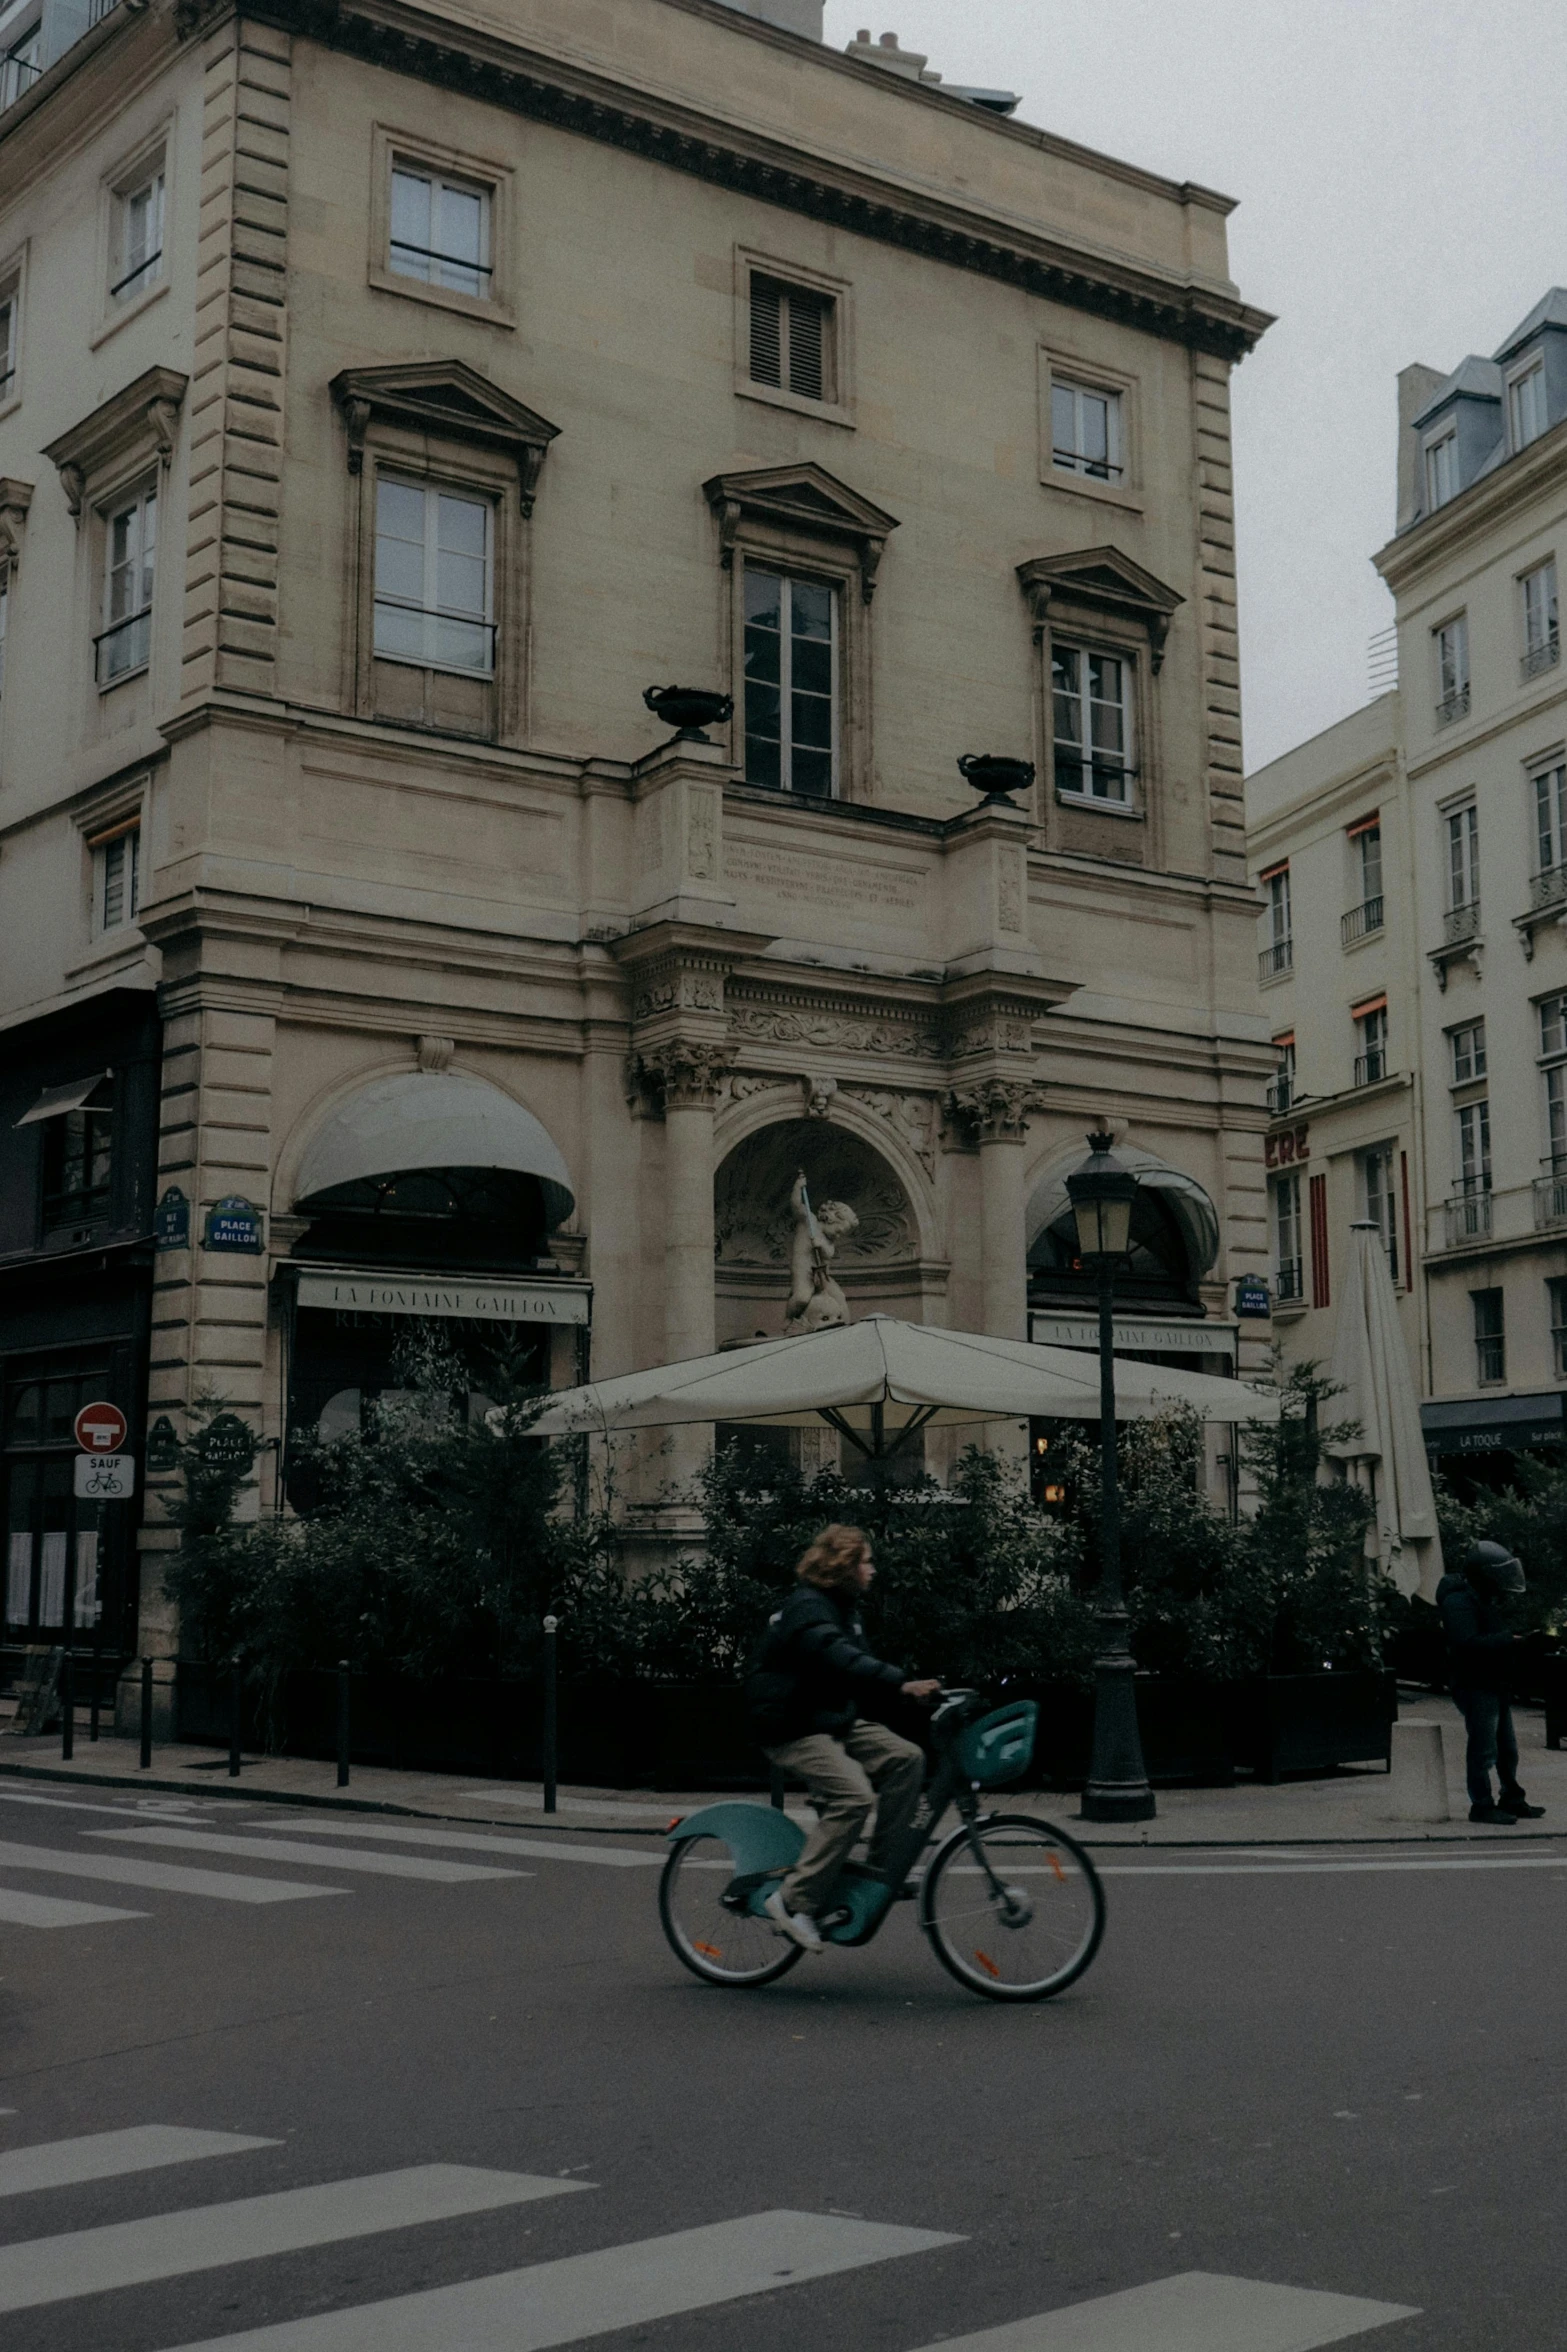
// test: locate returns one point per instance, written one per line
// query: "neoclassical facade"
(397, 395)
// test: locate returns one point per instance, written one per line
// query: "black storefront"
(1475, 1443)
(78, 1165)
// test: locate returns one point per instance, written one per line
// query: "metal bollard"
(67, 1708)
(146, 1715)
(551, 1724)
(775, 1785)
(343, 1725)
(236, 1695)
(97, 1676)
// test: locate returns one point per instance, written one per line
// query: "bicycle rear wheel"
(1038, 1933)
(719, 1942)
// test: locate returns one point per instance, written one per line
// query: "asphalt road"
(1331, 2082)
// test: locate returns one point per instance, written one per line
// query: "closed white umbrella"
(879, 1381)
(1371, 1366)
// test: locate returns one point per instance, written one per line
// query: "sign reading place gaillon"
(488, 1302)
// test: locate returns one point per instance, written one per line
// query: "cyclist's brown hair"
(830, 1562)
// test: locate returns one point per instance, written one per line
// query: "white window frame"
(1289, 1256)
(1069, 458)
(116, 866)
(1462, 828)
(1472, 1146)
(141, 561)
(1441, 461)
(14, 65)
(1556, 1308)
(1371, 1030)
(787, 573)
(1450, 641)
(1366, 848)
(1496, 1339)
(441, 183)
(1466, 1049)
(1526, 393)
(430, 611)
(1548, 782)
(1377, 1175)
(1091, 766)
(130, 280)
(1541, 624)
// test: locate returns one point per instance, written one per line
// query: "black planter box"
(1185, 1728)
(1553, 1691)
(1283, 1723)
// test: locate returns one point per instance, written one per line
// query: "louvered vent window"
(791, 339)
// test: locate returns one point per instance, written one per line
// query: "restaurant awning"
(433, 1119)
(55, 1101)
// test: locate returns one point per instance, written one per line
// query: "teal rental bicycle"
(1012, 1906)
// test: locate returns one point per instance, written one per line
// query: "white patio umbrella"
(1371, 1365)
(880, 1381)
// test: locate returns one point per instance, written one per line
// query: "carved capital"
(680, 1074)
(993, 1110)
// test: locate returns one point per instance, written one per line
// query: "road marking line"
(226, 1886)
(1307, 1869)
(472, 1841)
(583, 2295)
(533, 1800)
(205, 2237)
(1195, 2312)
(132, 1811)
(204, 1841)
(59, 2164)
(22, 1910)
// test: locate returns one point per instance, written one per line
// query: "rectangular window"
(136, 260)
(117, 877)
(1553, 1026)
(1442, 469)
(440, 230)
(1526, 405)
(1490, 1336)
(1281, 1087)
(1371, 1031)
(433, 587)
(1463, 858)
(1556, 1117)
(1288, 1262)
(792, 339)
(1474, 1148)
(10, 319)
(1091, 695)
(131, 541)
(1556, 1307)
(76, 1168)
(21, 66)
(1085, 431)
(1364, 913)
(1468, 1051)
(791, 690)
(1541, 630)
(1368, 861)
(1550, 817)
(1452, 669)
(1278, 950)
(1378, 1180)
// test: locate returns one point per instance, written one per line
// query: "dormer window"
(1442, 469)
(1526, 405)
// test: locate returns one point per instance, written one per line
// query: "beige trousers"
(846, 1774)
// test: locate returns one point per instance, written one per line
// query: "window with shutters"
(791, 338)
(116, 877)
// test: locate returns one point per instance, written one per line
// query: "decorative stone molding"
(782, 1024)
(145, 414)
(680, 1074)
(15, 499)
(435, 1053)
(801, 501)
(818, 1096)
(1100, 580)
(448, 398)
(996, 1110)
(910, 1117)
(682, 988)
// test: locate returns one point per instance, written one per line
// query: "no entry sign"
(100, 1429)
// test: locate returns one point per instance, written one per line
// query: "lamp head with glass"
(1102, 1191)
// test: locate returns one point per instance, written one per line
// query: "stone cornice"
(145, 411)
(406, 39)
(1515, 483)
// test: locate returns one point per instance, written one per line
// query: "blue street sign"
(171, 1220)
(1251, 1296)
(233, 1224)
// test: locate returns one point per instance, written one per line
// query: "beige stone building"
(393, 394)
(1414, 974)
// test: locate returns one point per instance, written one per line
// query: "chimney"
(791, 16)
(1417, 386)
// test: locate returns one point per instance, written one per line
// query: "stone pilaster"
(1221, 680)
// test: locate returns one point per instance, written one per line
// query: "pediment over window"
(1101, 579)
(806, 501)
(143, 414)
(444, 396)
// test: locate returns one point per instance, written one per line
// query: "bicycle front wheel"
(718, 1940)
(1020, 1924)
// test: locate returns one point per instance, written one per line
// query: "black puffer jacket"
(813, 1670)
(1479, 1644)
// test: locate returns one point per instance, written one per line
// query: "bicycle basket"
(1000, 1746)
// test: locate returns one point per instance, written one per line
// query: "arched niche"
(1175, 1239)
(879, 1264)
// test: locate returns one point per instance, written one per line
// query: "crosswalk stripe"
(583, 2295)
(1197, 2311)
(203, 1841)
(173, 2245)
(1311, 1869)
(59, 2164)
(225, 1886)
(22, 1910)
(472, 1841)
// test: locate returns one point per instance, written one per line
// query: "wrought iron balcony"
(1469, 1212)
(1550, 1199)
(1280, 957)
(1371, 1068)
(1281, 1093)
(1289, 1281)
(1361, 921)
(1453, 706)
(1543, 656)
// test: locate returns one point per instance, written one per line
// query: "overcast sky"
(1401, 171)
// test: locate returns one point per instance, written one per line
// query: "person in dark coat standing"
(1474, 1604)
(807, 1695)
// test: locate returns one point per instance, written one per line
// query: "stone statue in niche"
(816, 1302)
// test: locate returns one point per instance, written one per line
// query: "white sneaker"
(799, 1926)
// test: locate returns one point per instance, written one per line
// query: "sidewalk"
(1343, 1808)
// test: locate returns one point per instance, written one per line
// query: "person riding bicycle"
(813, 1672)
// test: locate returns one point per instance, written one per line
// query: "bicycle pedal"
(839, 1918)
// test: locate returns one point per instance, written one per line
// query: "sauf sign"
(1282, 1151)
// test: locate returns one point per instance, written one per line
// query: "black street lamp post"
(1102, 1191)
